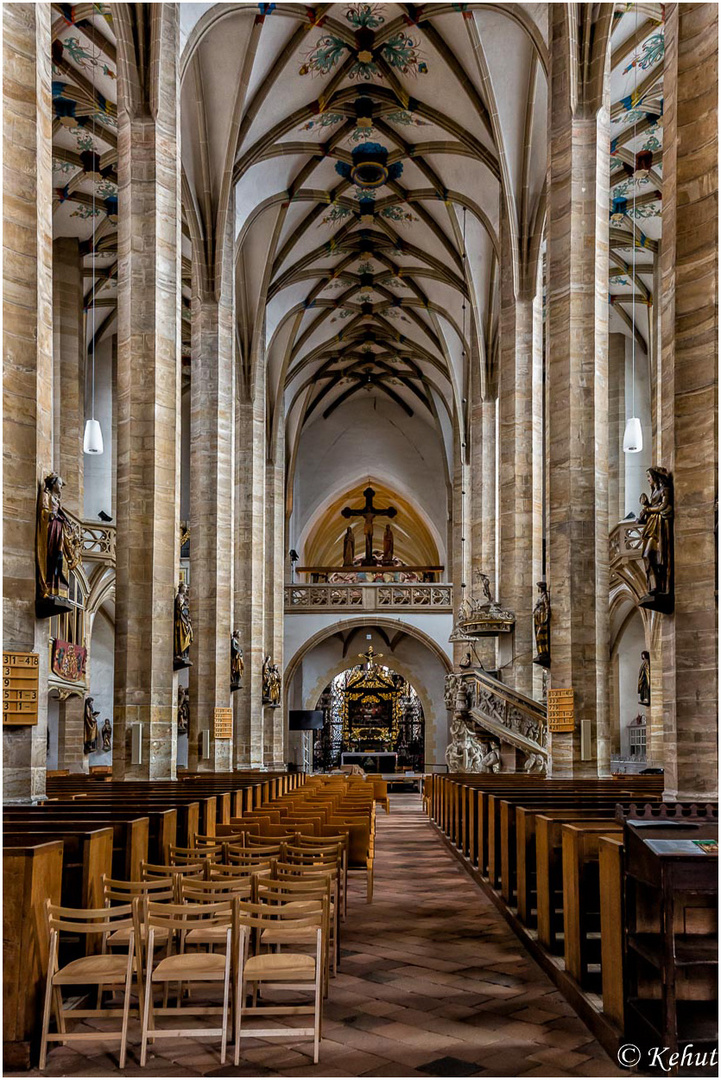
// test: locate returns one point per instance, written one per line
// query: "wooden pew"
(32, 873)
(87, 855)
(582, 898)
(610, 872)
(130, 835)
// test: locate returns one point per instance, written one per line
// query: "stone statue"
(450, 687)
(644, 679)
(456, 749)
(388, 543)
(348, 547)
(656, 520)
(57, 549)
(106, 731)
(90, 727)
(485, 583)
(534, 763)
(491, 761)
(237, 664)
(466, 662)
(183, 634)
(183, 710)
(542, 626)
(271, 684)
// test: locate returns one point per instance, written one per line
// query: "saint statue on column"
(90, 727)
(348, 547)
(183, 629)
(106, 731)
(57, 549)
(237, 664)
(542, 626)
(644, 679)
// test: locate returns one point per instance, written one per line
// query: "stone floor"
(433, 983)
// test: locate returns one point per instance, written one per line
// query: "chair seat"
(286, 935)
(280, 966)
(94, 969)
(122, 937)
(207, 935)
(190, 966)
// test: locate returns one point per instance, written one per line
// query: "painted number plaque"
(223, 724)
(20, 688)
(560, 710)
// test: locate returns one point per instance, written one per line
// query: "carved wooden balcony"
(369, 596)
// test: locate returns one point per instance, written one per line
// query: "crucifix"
(368, 513)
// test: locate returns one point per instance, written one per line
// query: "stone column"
(578, 404)
(250, 567)
(148, 392)
(616, 425)
(211, 509)
(27, 361)
(515, 510)
(69, 369)
(481, 527)
(275, 549)
(538, 472)
(71, 732)
(687, 439)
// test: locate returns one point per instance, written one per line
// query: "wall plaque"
(560, 710)
(20, 687)
(223, 724)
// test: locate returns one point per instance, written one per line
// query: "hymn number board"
(560, 710)
(223, 724)
(20, 687)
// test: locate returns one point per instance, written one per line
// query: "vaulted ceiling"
(373, 147)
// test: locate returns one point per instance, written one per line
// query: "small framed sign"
(560, 710)
(20, 687)
(223, 724)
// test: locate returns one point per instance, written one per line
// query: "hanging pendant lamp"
(93, 437)
(633, 433)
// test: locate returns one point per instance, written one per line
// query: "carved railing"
(625, 542)
(98, 542)
(501, 711)
(415, 596)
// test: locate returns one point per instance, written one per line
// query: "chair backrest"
(155, 870)
(277, 890)
(105, 920)
(205, 892)
(124, 891)
(183, 855)
(272, 845)
(329, 856)
(202, 841)
(184, 917)
(261, 915)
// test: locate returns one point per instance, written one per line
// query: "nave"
(432, 983)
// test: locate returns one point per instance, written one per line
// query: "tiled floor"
(433, 983)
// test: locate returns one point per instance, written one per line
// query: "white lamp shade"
(633, 436)
(93, 441)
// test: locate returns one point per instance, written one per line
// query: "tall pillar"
(578, 393)
(27, 361)
(211, 509)
(69, 369)
(148, 393)
(274, 719)
(250, 569)
(616, 425)
(687, 443)
(515, 510)
(538, 470)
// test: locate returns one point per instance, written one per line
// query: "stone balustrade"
(497, 709)
(98, 542)
(369, 596)
(625, 542)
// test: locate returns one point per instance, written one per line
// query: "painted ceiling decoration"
(360, 137)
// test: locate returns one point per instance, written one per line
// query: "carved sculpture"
(388, 544)
(106, 731)
(183, 710)
(183, 634)
(535, 763)
(348, 547)
(656, 520)
(271, 684)
(542, 626)
(237, 664)
(450, 688)
(644, 679)
(90, 727)
(491, 760)
(486, 618)
(57, 549)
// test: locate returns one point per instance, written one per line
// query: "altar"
(373, 761)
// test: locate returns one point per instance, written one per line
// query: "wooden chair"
(269, 843)
(282, 971)
(101, 970)
(218, 921)
(305, 894)
(216, 889)
(249, 856)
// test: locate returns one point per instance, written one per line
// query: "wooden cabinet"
(671, 890)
